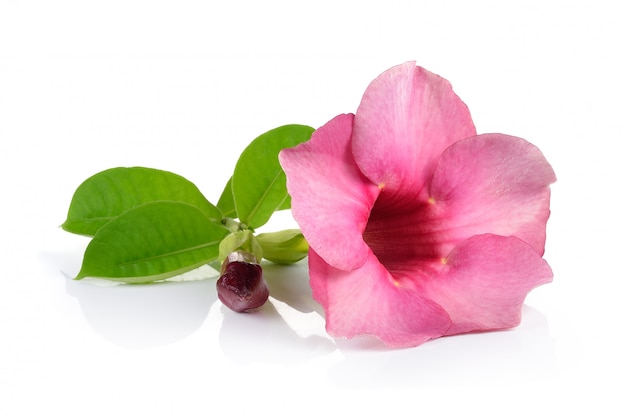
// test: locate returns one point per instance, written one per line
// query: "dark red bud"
(238, 256)
(242, 286)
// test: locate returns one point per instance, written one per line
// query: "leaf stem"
(233, 225)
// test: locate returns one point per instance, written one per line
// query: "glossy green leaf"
(108, 194)
(152, 242)
(259, 183)
(226, 203)
(287, 246)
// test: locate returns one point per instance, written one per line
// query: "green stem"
(233, 225)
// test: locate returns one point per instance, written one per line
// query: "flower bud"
(241, 287)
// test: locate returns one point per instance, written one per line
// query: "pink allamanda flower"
(418, 227)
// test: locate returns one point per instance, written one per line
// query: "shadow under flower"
(288, 329)
(525, 353)
(290, 284)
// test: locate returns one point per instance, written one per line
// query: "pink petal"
(407, 117)
(486, 184)
(486, 281)
(330, 198)
(366, 301)
(492, 183)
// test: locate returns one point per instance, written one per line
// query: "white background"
(184, 86)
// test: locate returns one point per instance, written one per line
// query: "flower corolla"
(418, 227)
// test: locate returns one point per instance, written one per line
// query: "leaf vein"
(168, 254)
(260, 201)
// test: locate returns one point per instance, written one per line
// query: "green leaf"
(287, 246)
(285, 205)
(152, 242)
(226, 203)
(108, 194)
(259, 183)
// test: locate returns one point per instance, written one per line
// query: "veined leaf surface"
(107, 194)
(152, 242)
(259, 182)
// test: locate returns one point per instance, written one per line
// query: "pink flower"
(419, 228)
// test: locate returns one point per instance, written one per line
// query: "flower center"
(406, 237)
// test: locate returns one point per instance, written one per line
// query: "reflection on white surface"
(525, 353)
(288, 329)
(179, 332)
(142, 316)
